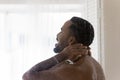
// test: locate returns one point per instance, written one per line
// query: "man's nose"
(57, 36)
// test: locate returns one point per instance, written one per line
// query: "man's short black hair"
(82, 30)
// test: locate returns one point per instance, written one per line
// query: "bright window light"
(28, 34)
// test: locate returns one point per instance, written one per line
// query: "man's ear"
(71, 40)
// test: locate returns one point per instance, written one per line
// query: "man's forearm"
(44, 65)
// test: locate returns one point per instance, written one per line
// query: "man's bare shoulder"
(85, 68)
(95, 67)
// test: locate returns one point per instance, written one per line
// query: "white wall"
(111, 12)
(40, 1)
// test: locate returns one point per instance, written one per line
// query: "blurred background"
(28, 31)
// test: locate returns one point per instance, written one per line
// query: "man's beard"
(59, 47)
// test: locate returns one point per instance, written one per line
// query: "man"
(73, 61)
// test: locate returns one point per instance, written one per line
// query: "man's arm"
(68, 53)
(44, 65)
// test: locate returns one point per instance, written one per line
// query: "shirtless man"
(74, 60)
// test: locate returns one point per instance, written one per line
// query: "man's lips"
(56, 44)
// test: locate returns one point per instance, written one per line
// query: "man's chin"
(57, 50)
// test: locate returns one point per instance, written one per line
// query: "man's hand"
(75, 51)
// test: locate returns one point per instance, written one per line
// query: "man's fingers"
(78, 46)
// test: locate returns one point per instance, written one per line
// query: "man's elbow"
(27, 76)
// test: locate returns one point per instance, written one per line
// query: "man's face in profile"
(63, 37)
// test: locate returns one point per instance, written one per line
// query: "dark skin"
(56, 68)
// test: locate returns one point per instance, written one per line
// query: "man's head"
(75, 30)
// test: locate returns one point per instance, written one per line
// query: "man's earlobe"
(71, 40)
